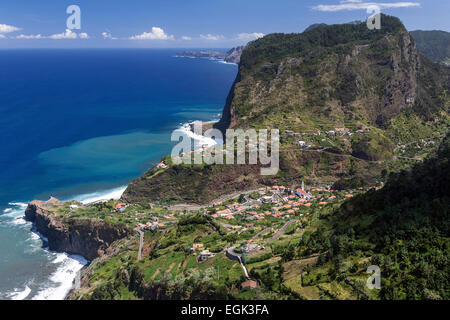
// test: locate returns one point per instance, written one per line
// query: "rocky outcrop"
(340, 76)
(234, 55)
(84, 236)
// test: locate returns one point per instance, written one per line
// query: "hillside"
(331, 75)
(434, 44)
(319, 249)
(374, 82)
(403, 228)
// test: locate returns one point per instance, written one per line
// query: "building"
(161, 165)
(223, 212)
(204, 255)
(196, 246)
(266, 199)
(120, 206)
(250, 284)
(302, 194)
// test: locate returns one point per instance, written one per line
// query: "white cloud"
(360, 5)
(69, 34)
(108, 35)
(211, 37)
(30, 36)
(186, 38)
(4, 28)
(250, 36)
(156, 34)
(2, 36)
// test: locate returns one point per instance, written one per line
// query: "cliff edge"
(84, 236)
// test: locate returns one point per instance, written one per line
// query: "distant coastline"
(62, 268)
(231, 56)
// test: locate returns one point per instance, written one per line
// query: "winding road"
(237, 256)
(281, 231)
(141, 243)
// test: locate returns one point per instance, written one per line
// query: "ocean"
(81, 124)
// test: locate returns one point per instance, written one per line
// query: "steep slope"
(434, 44)
(339, 76)
(403, 228)
(87, 237)
(333, 74)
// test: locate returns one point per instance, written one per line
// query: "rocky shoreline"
(89, 238)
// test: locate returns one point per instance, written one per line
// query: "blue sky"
(191, 23)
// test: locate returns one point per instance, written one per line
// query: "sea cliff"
(83, 236)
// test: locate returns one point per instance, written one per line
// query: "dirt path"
(170, 267)
(414, 159)
(185, 262)
(155, 274)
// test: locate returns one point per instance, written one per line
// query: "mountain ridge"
(329, 77)
(435, 44)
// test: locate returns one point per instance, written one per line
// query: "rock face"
(324, 74)
(340, 76)
(87, 237)
(234, 55)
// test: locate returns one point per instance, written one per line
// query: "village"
(252, 229)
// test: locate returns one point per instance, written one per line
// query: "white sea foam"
(20, 295)
(15, 216)
(186, 130)
(36, 235)
(115, 193)
(18, 221)
(224, 62)
(18, 204)
(61, 281)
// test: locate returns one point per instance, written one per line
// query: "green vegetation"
(366, 108)
(434, 44)
(328, 77)
(403, 228)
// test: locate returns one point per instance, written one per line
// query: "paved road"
(262, 232)
(238, 256)
(281, 231)
(141, 243)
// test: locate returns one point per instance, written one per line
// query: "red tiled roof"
(120, 205)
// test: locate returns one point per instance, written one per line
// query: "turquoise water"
(82, 124)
